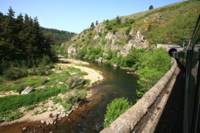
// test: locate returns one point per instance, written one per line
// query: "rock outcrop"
(27, 90)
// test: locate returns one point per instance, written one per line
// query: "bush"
(157, 59)
(115, 109)
(14, 73)
(132, 59)
(45, 61)
(90, 53)
(151, 66)
(45, 70)
(1, 79)
(147, 78)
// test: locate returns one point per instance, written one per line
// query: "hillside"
(57, 36)
(170, 24)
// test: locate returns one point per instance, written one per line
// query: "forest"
(22, 42)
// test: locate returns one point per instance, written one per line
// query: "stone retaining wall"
(144, 115)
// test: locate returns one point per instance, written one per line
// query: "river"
(89, 117)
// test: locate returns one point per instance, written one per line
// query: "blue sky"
(76, 15)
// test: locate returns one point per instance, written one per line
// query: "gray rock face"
(99, 28)
(27, 90)
(120, 42)
(72, 51)
(138, 41)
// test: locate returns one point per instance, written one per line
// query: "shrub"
(147, 78)
(45, 70)
(132, 59)
(45, 61)
(115, 109)
(157, 59)
(90, 53)
(1, 80)
(152, 64)
(14, 73)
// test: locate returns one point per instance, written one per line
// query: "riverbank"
(92, 75)
(54, 112)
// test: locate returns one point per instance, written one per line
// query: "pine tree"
(118, 19)
(97, 22)
(21, 40)
(11, 13)
(92, 25)
(151, 7)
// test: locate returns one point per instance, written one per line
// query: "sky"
(77, 15)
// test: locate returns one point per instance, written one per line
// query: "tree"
(92, 25)
(21, 40)
(11, 13)
(151, 7)
(118, 19)
(97, 22)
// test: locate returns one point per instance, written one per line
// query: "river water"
(89, 117)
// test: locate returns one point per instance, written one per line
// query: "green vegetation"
(163, 25)
(115, 109)
(14, 73)
(166, 25)
(15, 102)
(57, 36)
(70, 100)
(172, 26)
(149, 65)
(89, 53)
(22, 43)
(46, 86)
(27, 54)
(10, 115)
(151, 7)
(39, 80)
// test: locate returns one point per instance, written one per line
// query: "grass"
(15, 102)
(20, 84)
(10, 115)
(173, 26)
